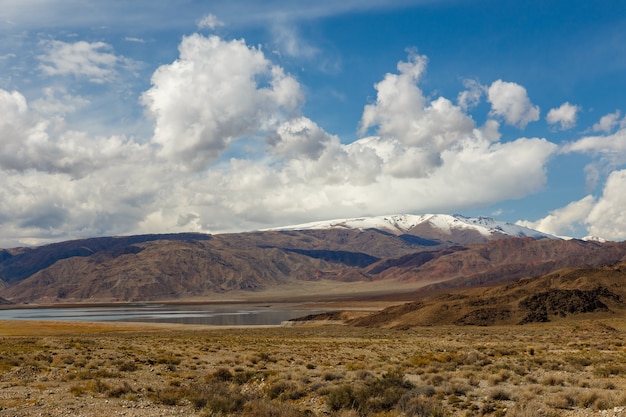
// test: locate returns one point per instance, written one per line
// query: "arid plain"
(567, 367)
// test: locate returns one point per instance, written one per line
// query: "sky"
(157, 116)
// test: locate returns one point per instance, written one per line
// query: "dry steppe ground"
(565, 368)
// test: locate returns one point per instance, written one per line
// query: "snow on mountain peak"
(445, 223)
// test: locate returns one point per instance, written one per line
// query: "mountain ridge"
(437, 252)
(445, 223)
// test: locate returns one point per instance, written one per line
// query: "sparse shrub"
(608, 370)
(43, 357)
(552, 380)
(420, 406)
(78, 390)
(215, 396)
(222, 375)
(455, 389)
(530, 409)
(330, 376)
(128, 366)
(381, 394)
(285, 391)
(225, 402)
(436, 379)
(278, 388)
(120, 390)
(364, 375)
(562, 400)
(341, 397)
(98, 386)
(169, 395)
(500, 377)
(500, 395)
(263, 408)
(587, 399)
(67, 359)
(243, 377)
(168, 359)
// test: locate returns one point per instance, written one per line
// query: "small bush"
(78, 390)
(226, 402)
(169, 395)
(128, 366)
(411, 405)
(500, 395)
(329, 376)
(341, 397)
(120, 390)
(98, 386)
(222, 375)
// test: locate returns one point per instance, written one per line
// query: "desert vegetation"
(551, 369)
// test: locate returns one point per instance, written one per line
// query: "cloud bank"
(231, 149)
(601, 216)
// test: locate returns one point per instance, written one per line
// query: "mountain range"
(390, 256)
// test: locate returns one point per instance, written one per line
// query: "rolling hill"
(394, 254)
(571, 292)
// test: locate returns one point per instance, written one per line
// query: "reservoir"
(236, 314)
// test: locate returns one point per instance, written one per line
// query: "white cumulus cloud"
(609, 121)
(510, 101)
(607, 219)
(602, 217)
(212, 96)
(564, 116)
(210, 21)
(471, 97)
(300, 137)
(402, 113)
(565, 220)
(92, 60)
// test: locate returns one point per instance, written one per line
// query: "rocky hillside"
(495, 261)
(184, 266)
(158, 267)
(574, 292)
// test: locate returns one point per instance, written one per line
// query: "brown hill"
(183, 266)
(159, 267)
(496, 261)
(565, 293)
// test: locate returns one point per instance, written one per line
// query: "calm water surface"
(212, 314)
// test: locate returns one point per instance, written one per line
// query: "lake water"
(210, 314)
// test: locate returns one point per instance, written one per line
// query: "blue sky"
(160, 116)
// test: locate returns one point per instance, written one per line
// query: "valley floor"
(569, 368)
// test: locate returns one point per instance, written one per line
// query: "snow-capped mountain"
(428, 225)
